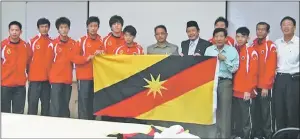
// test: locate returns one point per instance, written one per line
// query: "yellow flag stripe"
(191, 107)
(123, 67)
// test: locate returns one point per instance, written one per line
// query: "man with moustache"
(162, 46)
(267, 62)
(194, 45)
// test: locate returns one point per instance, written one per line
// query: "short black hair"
(288, 18)
(62, 20)
(160, 26)
(217, 30)
(42, 21)
(264, 23)
(222, 19)
(243, 30)
(15, 23)
(130, 29)
(116, 19)
(92, 19)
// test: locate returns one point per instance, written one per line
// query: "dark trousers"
(286, 100)
(261, 116)
(85, 99)
(39, 91)
(241, 117)
(224, 102)
(60, 97)
(13, 96)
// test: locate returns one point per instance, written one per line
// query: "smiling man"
(286, 87)
(194, 45)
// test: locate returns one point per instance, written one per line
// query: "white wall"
(144, 16)
(9, 13)
(250, 13)
(75, 11)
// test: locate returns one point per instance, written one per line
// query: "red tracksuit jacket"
(245, 78)
(14, 61)
(267, 63)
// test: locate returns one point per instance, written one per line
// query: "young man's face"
(93, 28)
(161, 35)
(261, 31)
(192, 33)
(63, 30)
(116, 27)
(15, 32)
(241, 39)
(220, 38)
(288, 27)
(128, 38)
(220, 25)
(44, 29)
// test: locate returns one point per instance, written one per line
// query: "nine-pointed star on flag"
(155, 85)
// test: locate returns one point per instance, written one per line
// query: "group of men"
(245, 79)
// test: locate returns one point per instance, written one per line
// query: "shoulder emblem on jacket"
(254, 55)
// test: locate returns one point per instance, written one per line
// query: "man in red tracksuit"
(39, 86)
(129, 47)
(62, 54)
(267, 63)
(90, 44)
(15, 56)
(244, 83)
(115, 38)
(221, 22)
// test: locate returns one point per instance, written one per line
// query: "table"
(33, 126)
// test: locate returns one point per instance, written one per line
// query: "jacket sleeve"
(231, 41)
(7, 64)
(175, 52)
(252, 77)
(75, 55)
(50, 56)
(182, 48)
(141, 50)
(29, 56)
(271, 65)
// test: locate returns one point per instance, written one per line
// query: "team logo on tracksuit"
(37, 47)
(109, 43)
(8, 51)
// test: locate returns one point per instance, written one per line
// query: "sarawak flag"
(156, 87)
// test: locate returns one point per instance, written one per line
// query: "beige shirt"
(165, 49)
